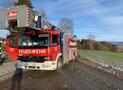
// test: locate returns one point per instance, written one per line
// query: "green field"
(104, 57)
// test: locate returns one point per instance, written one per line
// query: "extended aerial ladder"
(16, 17)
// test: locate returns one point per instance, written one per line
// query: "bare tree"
(91, 39)
(91, 36)
(67, 25)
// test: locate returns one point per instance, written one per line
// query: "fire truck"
(41, 45)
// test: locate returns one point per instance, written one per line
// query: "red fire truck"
(41, 46)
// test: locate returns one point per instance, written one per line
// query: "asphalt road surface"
(75, 76)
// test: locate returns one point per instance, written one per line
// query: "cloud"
(96, 16)
(114, 20)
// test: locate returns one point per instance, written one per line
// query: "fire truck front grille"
(38, 59)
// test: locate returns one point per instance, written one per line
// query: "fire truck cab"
(42, 50)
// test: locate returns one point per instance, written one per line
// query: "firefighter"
(0, 49)
(3, 56)
(0, 53)
(17, 79)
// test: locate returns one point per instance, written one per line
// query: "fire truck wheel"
(59, 63)
(77, 58)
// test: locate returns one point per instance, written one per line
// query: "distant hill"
(117, 43)
(2, 39)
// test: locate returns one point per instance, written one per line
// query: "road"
(75, 76)
(6, 70)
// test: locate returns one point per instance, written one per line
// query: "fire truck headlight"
(47, 63)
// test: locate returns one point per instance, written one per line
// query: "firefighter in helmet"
(3, 56)
(0, 49)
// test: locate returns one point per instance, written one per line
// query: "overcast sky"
(102, 18)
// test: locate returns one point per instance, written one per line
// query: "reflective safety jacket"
(0, 51)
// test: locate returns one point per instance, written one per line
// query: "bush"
(88, 44)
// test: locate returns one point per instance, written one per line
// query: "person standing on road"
(17, 79)
(0, 49)
(3, 56)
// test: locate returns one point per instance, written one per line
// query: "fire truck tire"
(75, 57)
(59, 63)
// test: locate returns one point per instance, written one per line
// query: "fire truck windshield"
(34, 41)
(12, 41)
